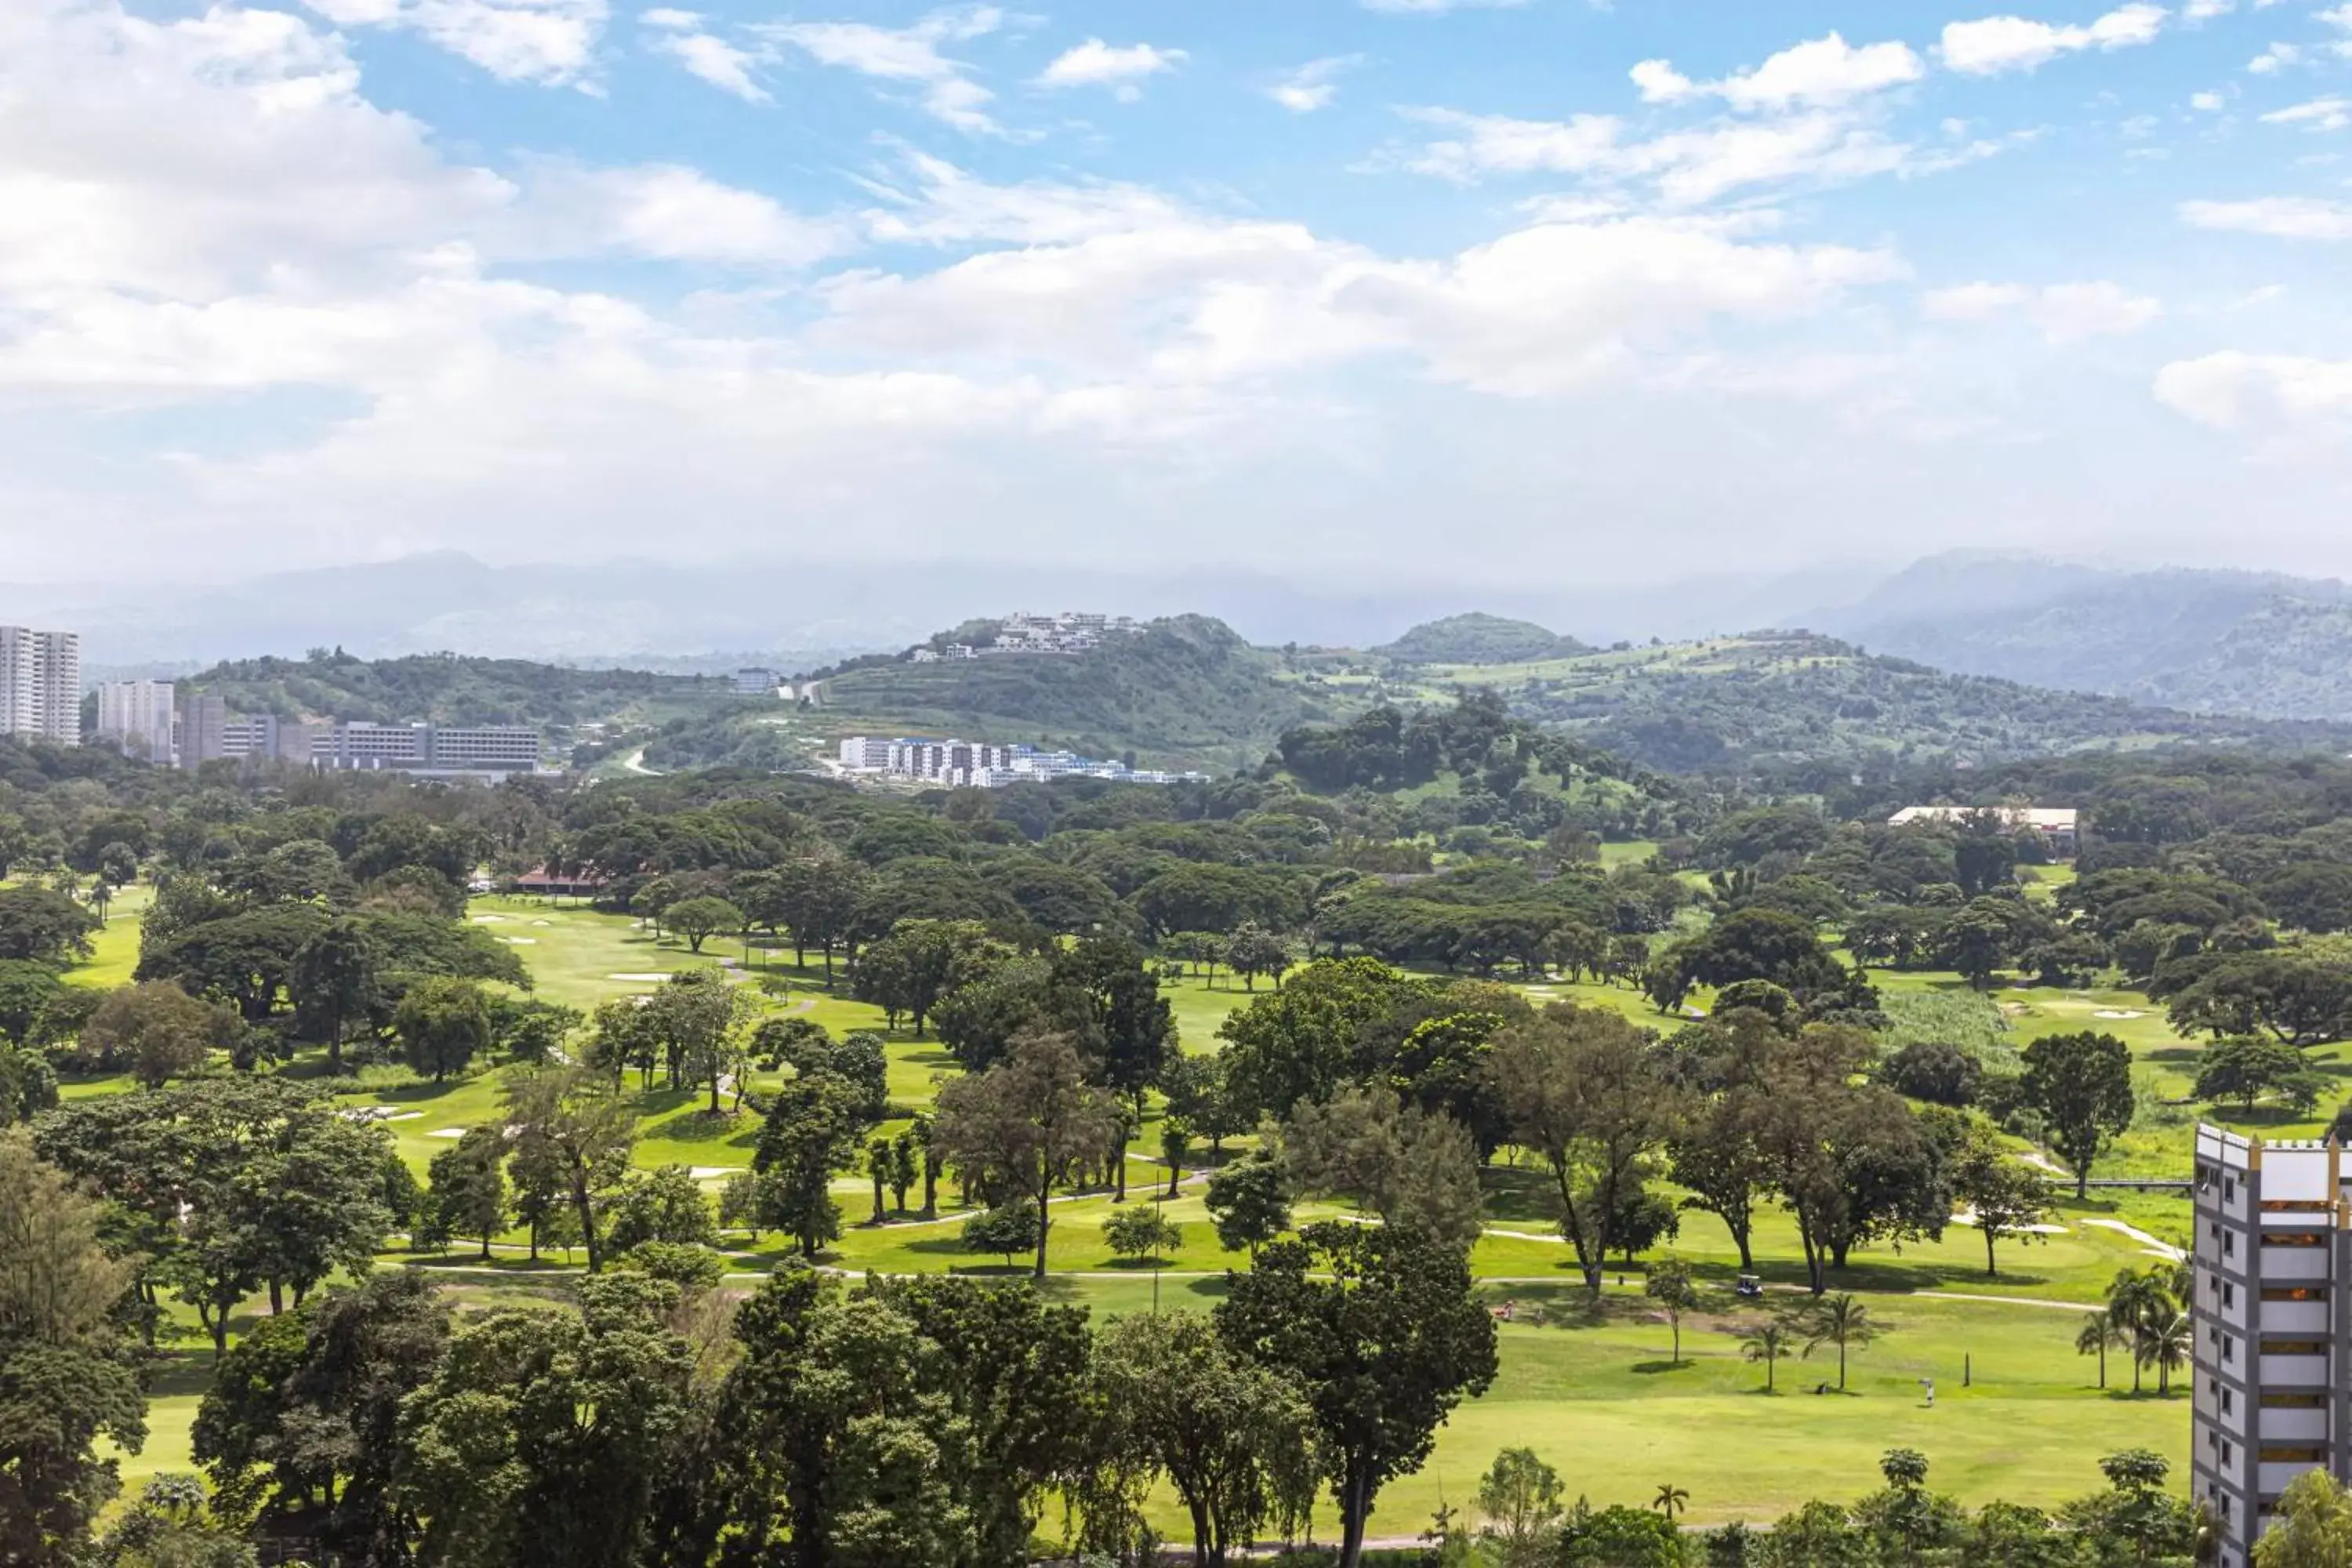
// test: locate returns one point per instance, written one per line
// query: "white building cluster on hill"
(982, 764)
(1070, 632)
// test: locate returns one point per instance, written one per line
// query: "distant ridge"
(2264, 645)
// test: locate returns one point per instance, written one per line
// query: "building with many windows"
(2271, 1309)
(983, 764)
(490, 749)
(209, 731)
(137, 715)
(40, 684)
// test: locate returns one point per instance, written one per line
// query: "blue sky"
(1360, 291)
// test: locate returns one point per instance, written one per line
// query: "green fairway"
(1586, 1386)
(1592, 1391)
(114, 948)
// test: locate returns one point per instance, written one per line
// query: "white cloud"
(2061, 312)
(2275, 59)
(2207, 102)
(1688, 168)
(1117, 67)
(2319, 115)
(908, 55)
(2237, 391)
(1495, 143)
(2000, 44)
(193, 158)
(1824, 71)
(942, 204)
(667, 213)
(1314, 85)
(1435, 7)
(551, 42)
(1557, 307)
(2280, 217)
(713, 60)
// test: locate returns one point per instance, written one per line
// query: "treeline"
(2224, 894)
(646, 1418)
(1507, 772)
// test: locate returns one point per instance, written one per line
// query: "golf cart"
(1749, 1287)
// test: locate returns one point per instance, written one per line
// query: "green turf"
(1594, 1393)
(1587, 1388)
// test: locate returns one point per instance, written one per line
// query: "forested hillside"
(1188, 689)
(2226, 642)
(1774, 701)
(448, 688)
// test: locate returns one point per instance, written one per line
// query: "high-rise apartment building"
(40, 684)
(138, 715)
(2271, 1309)
(204, 731)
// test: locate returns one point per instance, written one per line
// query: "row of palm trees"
(2146, 1316)
(1841, 1320)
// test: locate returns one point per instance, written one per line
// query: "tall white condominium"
(40, 684)
(137, 714)
(2274, 1337)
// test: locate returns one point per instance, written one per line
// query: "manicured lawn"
(1588, 1386)
(1592, 1392)
(115, 946)
(1599, 1401)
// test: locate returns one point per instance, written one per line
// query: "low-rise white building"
(2058, 825)
(985, 764)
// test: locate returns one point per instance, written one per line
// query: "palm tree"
(2167, 1339)
(1671, 1500)
(2098, 1332)
(1841, 1320)
(102, 893)
(1768, 1342)
(2133, 1299)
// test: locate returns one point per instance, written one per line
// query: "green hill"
(1477, 639)
(1186, 690)
(444, 688)
(1783, 701)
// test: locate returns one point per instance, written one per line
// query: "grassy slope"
(1587, 1390)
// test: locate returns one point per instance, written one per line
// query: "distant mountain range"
(2261, 645)
(2258, 644)
(808, 612)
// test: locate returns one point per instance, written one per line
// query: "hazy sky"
(1376, 290)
